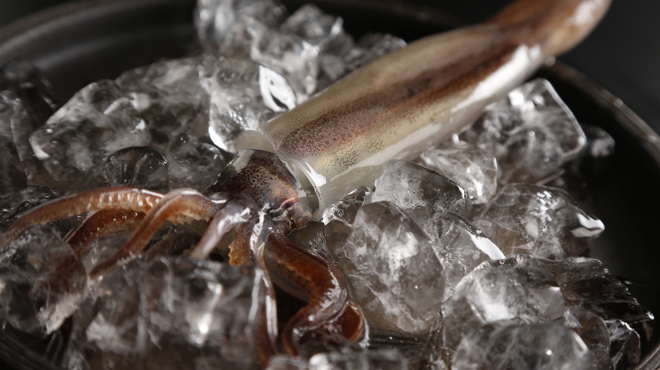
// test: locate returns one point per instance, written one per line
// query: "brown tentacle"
(351, 322)
(101, 223)
(240, 253)
(321, 279)
(115, 198)
(178, 206)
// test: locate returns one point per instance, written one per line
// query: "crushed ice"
(465, 248)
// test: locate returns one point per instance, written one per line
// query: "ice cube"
(397, 278)
(213, 18)
(422, 193)
(12, 174)
(192, 163)
(310, 23)
(326, 32)
(345, 210)
(241, 91)
(586, 282)
(12, 205)
(283, 362)
(625, 345)
(17, 125)
(461, 247)
(519, 288)
(35, 92)
(537, 220)
(374, 359)
(96, 122)
(470, 166)
(371, 47)
(506, 345)
(286, 53)
(168, 95)
(592, 329)
(531, 132)
(142, 167)
(169, 313)
(41, 281)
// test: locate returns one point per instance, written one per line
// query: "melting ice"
(465, 248)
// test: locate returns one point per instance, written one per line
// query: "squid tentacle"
(177, 206)
(100, 223)
(115, 198)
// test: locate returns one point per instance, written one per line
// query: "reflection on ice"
(95, 123)
(540, 221)
(471, 257)
(41, 281)
(170, 313)
(522, 346)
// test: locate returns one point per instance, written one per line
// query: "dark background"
(622, 55)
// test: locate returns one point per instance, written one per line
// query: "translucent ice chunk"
(310, 23)
(12, 205)
(17, 125)
(41, 281)
(96, 122)
(591, 164)
(586, 282)
(397, 278)
(625, 345)
(520, 288)
(141, 166)
(214, 18)
(505, 345)
(346, 209)
(326, 32)
(592, 329)
(422, 193)
(193, 164)
(473, 168)
(339, 217)
(243, 95)
(168, 95)
(286, 53)
(12, 174)
(461, 247)
(531, 132)
(34, 91)
(538, 220)
(168, 313)
(371, 47)
(375, 359)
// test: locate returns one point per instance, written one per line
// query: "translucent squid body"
(310, 156)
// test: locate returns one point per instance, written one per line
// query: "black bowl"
(80, 42)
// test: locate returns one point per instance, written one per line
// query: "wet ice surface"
(522, 346)
(531, 133)
(512, 289)
(40, 287)
(169, 97)
(441, 258)
(13, 174)
(95, 123)
(538, 220)
(169, 313)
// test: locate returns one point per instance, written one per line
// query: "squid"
(285, 174)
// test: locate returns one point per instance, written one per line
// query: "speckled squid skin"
(436, 86)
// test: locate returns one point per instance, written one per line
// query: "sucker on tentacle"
(327, 146)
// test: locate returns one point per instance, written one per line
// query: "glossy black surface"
(84, 41)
